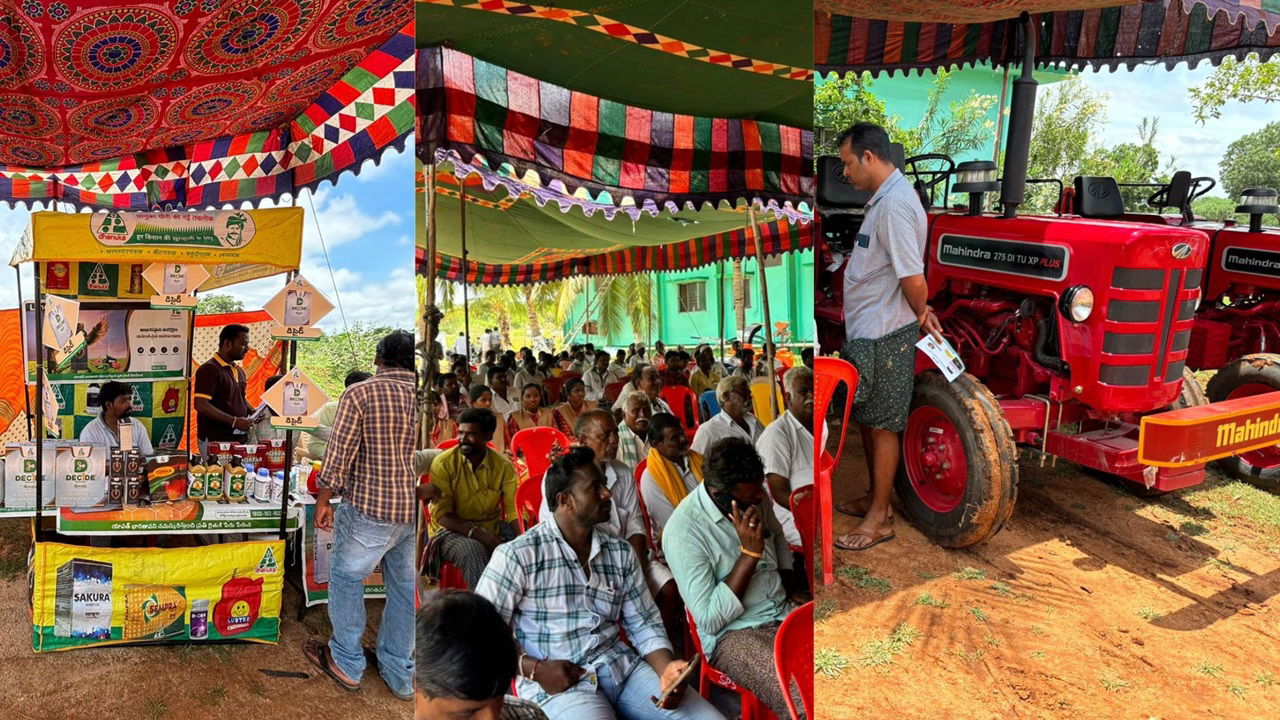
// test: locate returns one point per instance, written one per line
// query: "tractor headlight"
(1077, 303)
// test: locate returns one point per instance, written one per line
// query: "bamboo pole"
(466, 301)
(768, 326)
(431, 314)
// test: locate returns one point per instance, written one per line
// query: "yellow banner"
(254, 237)
(89, 596)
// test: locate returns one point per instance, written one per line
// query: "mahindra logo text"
(1234, 433)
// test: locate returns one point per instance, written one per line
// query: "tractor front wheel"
(958, 478)
(1250, 375)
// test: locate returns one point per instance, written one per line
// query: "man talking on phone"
(885, 309)
(567, 587)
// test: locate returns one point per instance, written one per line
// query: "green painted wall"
(790, 283)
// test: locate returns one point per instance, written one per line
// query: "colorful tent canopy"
(516, 241)
(556, 143)
(197, 103)
(714, 58)
(895, 35)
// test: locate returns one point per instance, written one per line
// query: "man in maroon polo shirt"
(220, 401)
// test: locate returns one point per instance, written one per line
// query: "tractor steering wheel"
(929, 179)
(1196, 190)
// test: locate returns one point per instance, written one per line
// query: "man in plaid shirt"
(369, 465)
(566, 587)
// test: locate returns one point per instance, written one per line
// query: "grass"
(1002, 589)
(154, 709)
(930, 601)
(970, 573)
(978, 613)
(830, 663)
(1172, 537)
(1038, 630)
(972, 655)
(824, 609)
(863, 579)
(11, 566)
(1113, 682)
(1079, 506)
(1149, 613)
(883, 651)
(1231, 499)
(926, 575)
(1264, 678)
(1193, 529)
(1236, 689)
(992, 640)
(1204, 667)
(214, 696)
(1037, 654)
(258, 689)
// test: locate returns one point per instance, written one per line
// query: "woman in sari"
(530, 414)
(567, 413)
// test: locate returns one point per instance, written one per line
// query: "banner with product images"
(157, 405)
(122, 342)
(89, 596)
(316, 548)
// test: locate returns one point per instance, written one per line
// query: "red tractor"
(1072, 330)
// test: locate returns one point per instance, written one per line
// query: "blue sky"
(366, 221)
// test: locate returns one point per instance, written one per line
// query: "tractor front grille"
(1142, 327)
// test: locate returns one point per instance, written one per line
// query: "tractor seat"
(1098, 196)
(835, 192)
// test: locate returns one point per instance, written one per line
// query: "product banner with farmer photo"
(157, 405)
(87, 596)
(122, 342)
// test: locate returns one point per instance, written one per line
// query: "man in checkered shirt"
(369, 465)
(567, 587)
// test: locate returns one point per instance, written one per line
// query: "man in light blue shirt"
(116, 401)
(734, 568)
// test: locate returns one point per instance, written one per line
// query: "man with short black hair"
(567, 588)
(465, 661)
(477, 488)
(599, 377)
(499, 380)
(671, 471)
(222, 410)
(734, 569)
(116, 402)
(885, 307)
(369, 464)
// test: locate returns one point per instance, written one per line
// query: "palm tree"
(622, 299)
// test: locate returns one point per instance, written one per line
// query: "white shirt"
(625, 519)
(786, 447)
(460, 346)
(597, 382)
(524, 377)
(658, 404)
(722, 426)
(504, 407)
(656, 502)
(636, 361)
(97, 433)
(486, 340)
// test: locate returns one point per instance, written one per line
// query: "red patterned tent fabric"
(1166, 31)
(504, 124)
(776, 238)
(197, 103)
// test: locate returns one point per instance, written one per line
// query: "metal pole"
(290, 359)
(720, 308)
(462, 233)
(188, 427)
(40, 374)
(22, 334)
(431, 322)
(768, 327)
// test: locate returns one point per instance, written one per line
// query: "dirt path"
(173, 681)
(1091, 603)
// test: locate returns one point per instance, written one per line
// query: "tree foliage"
(1253, 160)
(328, 360)
(215, 304)
(1244, 81)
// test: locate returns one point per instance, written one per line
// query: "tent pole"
(720, 308)
(40, 373)
(466, 301)
(768, 327)
(290, 360)
(431, 315)
(1004, 90)
(22, 325)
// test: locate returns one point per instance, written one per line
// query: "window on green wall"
(693, 296)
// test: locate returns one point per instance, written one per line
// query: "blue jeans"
(359, 543)
(628, 700)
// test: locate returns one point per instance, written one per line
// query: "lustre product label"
(1008, 257)
(1251, 261)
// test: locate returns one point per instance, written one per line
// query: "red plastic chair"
(536, 445)
(780, 372)
(528, 503)
(828, 373)
(684, 403)
(801, 503)
(752, 708)
(793, 658)
(450, 575)
(644, 511)
(613, 390)
(568, 375)
(551, 386)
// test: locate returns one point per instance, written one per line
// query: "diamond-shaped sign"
(296, 309)
(294, 398)
(176, 284)
(61, 316)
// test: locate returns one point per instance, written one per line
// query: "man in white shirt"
(460, 346)
(619, 364)
(638, 358)
(116, 401)
(734, 418)
(529, 374)
(645, 380)
(486, 341)
(502, 405)
(786, 447)
(633, 433)
(667, 437)
(599, 377)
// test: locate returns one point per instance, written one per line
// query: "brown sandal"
(855, 508)
(321, 657)
(875, 537)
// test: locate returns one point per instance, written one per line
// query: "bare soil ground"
(190, 682)
(1091, 603)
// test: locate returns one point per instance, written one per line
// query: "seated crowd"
(642, 522)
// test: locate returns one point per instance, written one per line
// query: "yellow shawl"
(668, 477)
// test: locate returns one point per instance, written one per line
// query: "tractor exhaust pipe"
(1013, 188)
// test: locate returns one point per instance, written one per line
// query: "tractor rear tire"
(958, 477)
(1249, 375)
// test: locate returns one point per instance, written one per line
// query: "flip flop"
(321, 657)
(876, 539)
(844, 507)
(371, 658)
